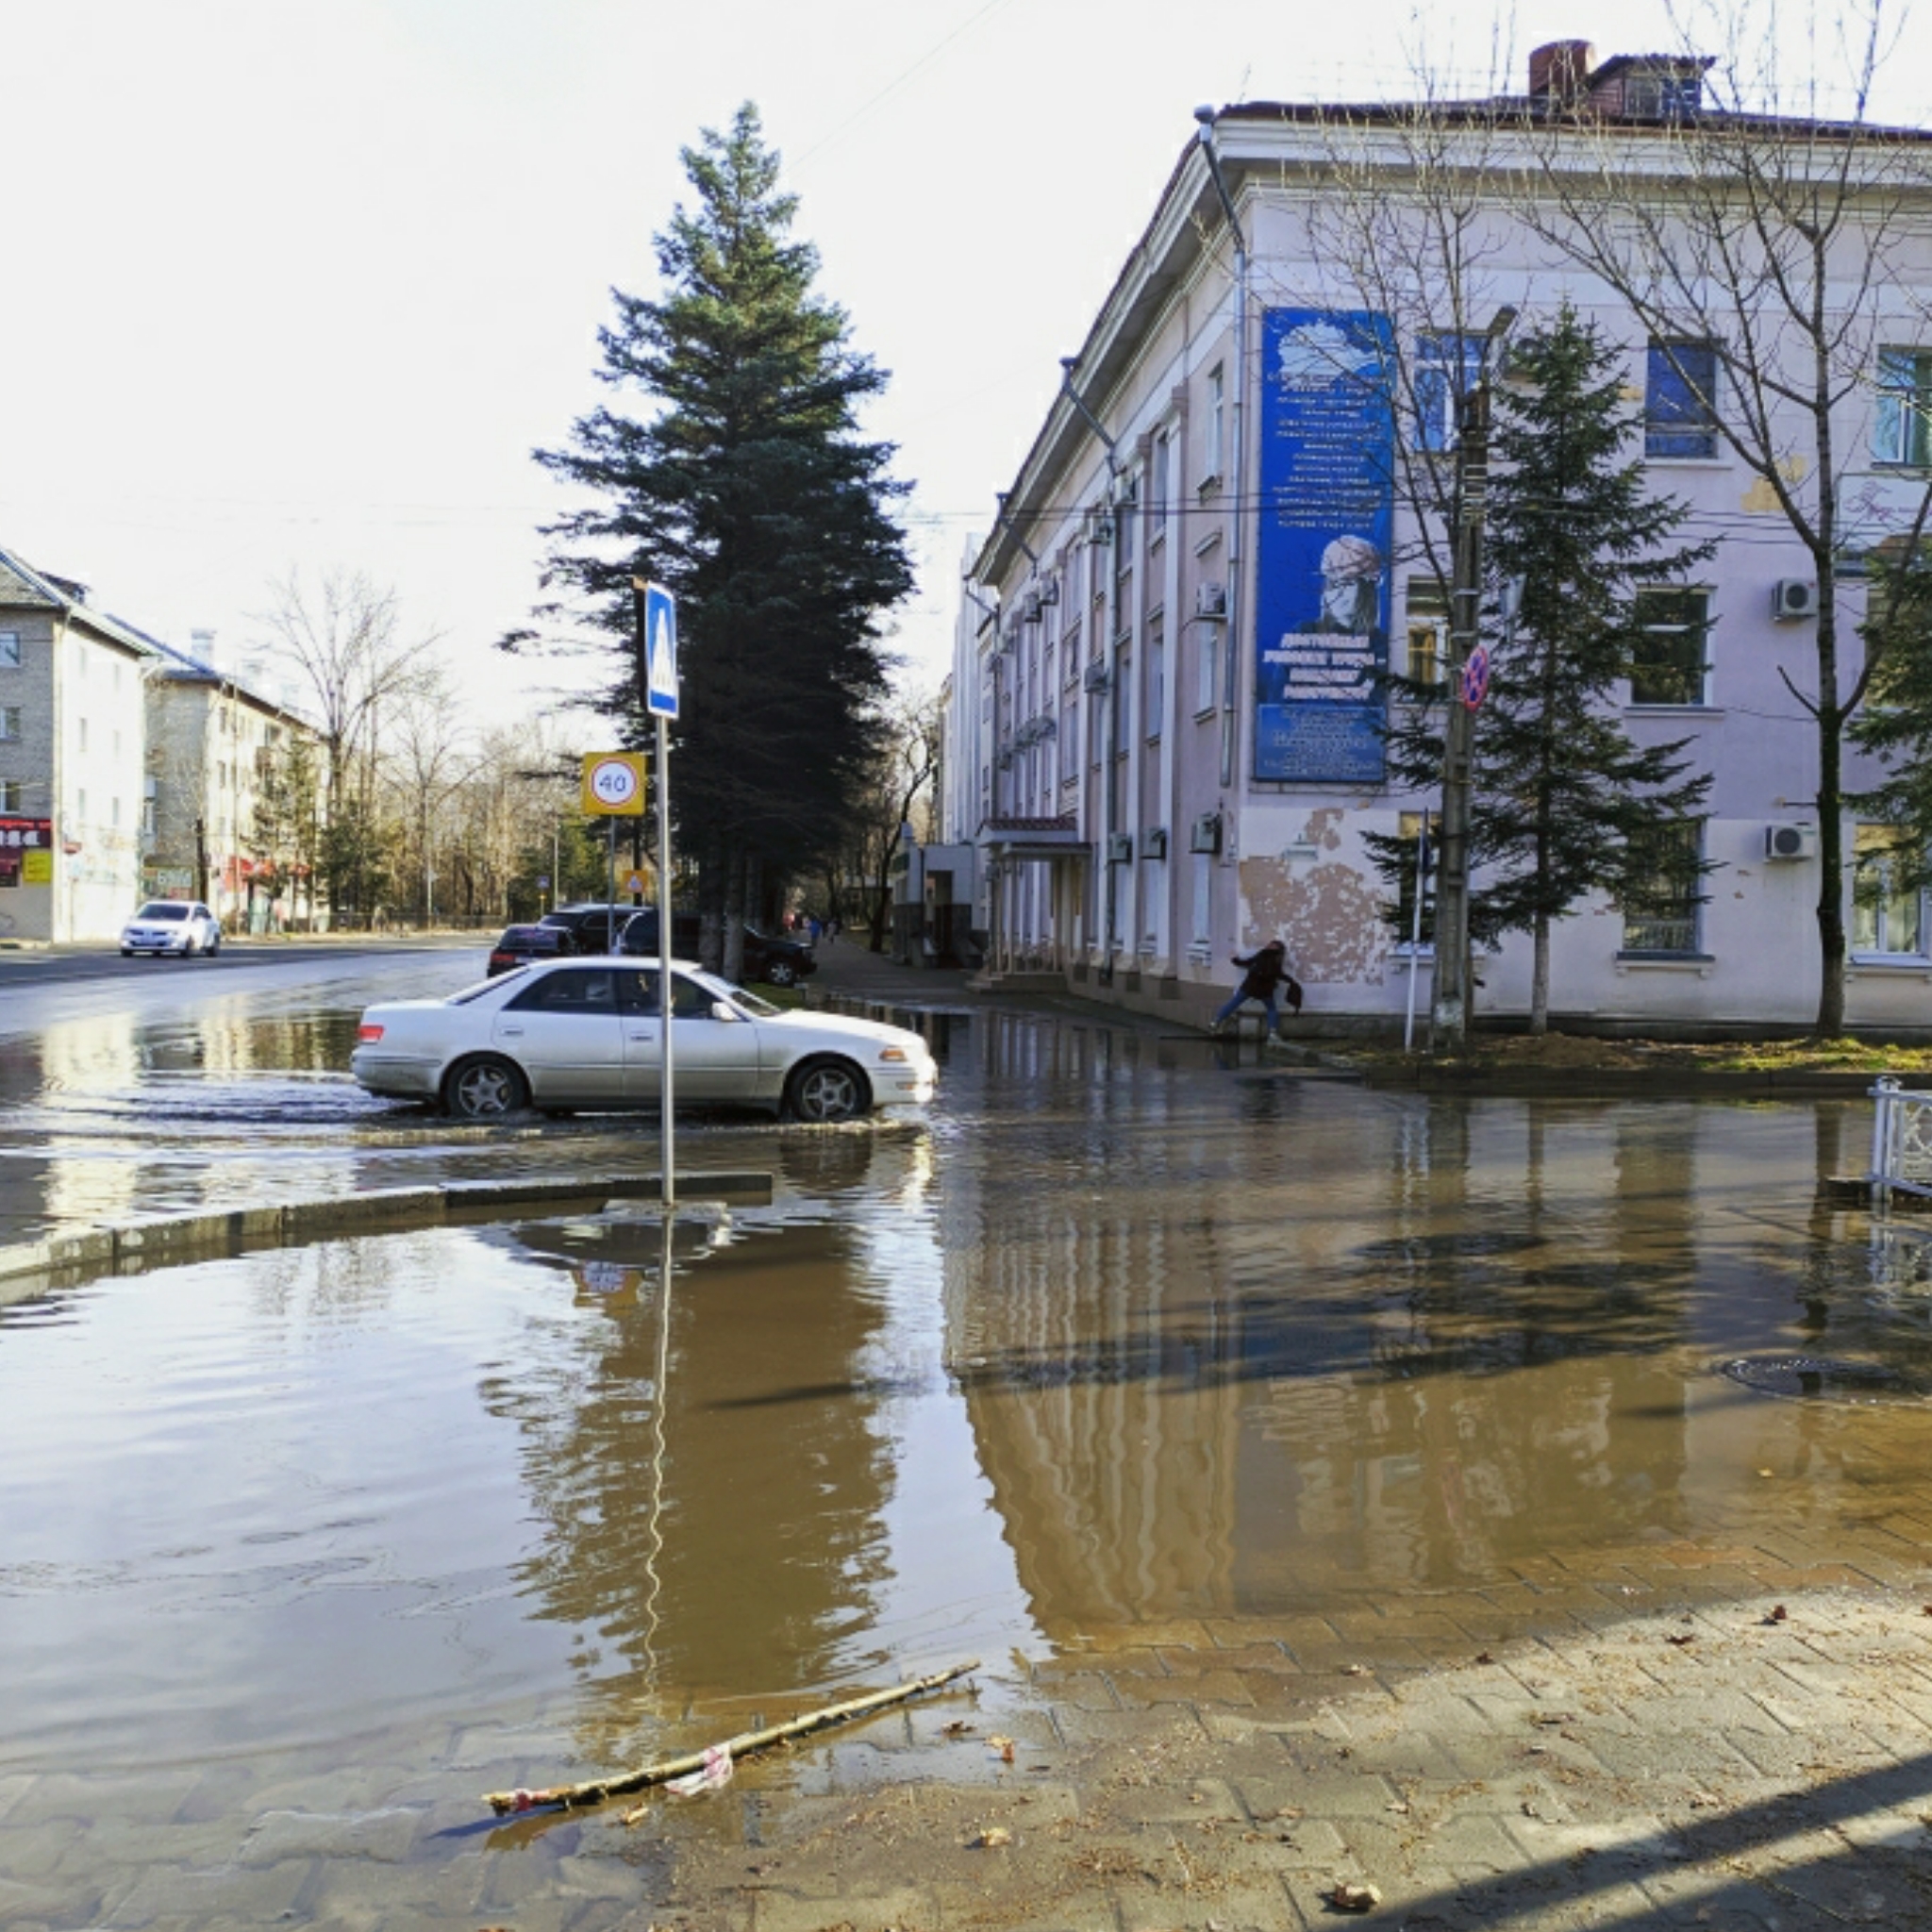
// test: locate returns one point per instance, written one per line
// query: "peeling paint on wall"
(1331, 917)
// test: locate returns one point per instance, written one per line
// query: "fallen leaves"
(1687, 1637)
(1779, 1613)
(991, 1838)
(1349, 1897)
(958, 1728)
(1001, 1747)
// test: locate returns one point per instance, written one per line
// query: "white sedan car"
(184, 926)
(589, 1033)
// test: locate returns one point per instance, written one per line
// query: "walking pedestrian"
(1265, 969)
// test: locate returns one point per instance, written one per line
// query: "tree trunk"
(1830, 1022)
(712, 904)
(1539, 978)
(733, 959)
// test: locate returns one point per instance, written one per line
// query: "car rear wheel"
(781, 972)
(483, 1089)
(214, 945)
(826, 1091)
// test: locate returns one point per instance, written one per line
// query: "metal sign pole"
(668, 1189)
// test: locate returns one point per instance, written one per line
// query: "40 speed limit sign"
(614, 784)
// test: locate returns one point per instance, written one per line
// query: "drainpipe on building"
(1231, 689)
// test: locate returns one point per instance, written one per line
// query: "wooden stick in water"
(595, 1790)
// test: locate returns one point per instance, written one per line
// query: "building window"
(1888, 907)
(83, 733)
(1680, 399)
(1207, 643)
(1070, 736)
(1217, 404)
(10, 650)
(1671, 663)
(1122, 704)
(1447, 368)
(1660, 908)
(1153, 872)
(1417, 862)
(114, 811)
(1899, 430)
(1203, 884)
(1157, 676)
(1664, 96)
(12, 796)
(80, 805)
(9, 720)
(1427, 630)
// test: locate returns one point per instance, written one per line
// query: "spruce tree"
(1563, 803)
(744, 486)
(1896, 723)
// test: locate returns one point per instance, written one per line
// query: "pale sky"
(301, 283)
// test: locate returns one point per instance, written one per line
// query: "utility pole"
(1449, 999)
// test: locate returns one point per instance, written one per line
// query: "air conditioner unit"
(1793, 598)
(1101, 531)
(1206, 836)
(1790, 841)
(1050, 591)
(1029, 610)
(1096, 677)
(1210, 600)
(1120, 849)
(1154, 843)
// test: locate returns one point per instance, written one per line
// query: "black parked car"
(592, 928)
(520, 944)
(768, 959)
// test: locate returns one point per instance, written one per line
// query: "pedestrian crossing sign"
(660, 651)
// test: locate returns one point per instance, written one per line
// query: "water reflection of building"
(1262, 1362)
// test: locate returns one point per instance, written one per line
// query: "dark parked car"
(520, 944)
(592, 928)
(768, 959)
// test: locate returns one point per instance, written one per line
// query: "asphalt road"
(64, 964)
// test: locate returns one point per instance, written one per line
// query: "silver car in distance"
(589, 1033)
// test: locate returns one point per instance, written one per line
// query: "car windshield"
(483, 986)
(161, 909)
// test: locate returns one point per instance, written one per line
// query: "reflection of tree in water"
(772, 1483)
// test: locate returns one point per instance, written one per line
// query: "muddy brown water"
(304, 1549)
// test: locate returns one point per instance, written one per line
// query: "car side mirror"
(724, 1009)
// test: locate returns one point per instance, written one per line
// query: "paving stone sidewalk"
(1670, 1751)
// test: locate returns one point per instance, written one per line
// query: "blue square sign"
(660, 651)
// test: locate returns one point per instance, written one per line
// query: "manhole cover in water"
(1816, 1375)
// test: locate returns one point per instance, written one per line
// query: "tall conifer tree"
(744, 487)
(1564, 803)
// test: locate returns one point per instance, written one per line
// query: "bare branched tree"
(344, 641)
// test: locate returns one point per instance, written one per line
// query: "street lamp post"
(1449, 999)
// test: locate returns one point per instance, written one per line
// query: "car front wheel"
(781, 972)
(483, 1089)
(826, 1091)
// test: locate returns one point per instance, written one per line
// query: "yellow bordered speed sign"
(614, 784)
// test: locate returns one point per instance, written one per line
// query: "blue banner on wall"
(1322, 559)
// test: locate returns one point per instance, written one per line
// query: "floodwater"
(303, 1550)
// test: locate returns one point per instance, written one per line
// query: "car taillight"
(367, 1035)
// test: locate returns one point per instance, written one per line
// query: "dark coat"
(1266, 969)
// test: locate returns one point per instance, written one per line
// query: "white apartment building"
(1163, 726)
(212, 732)
(72, 759)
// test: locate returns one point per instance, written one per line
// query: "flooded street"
(1131, 1343)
